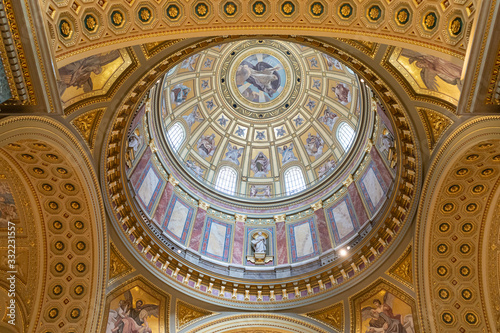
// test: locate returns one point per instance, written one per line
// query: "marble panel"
(380, 166)
(324, 235)
(342, 220)
(239, 231)
(357, 204)
(163, 204)
(303, 240)
(178, 220)
(141, 165)
(216, 240)
(194, 242)
(373, 188)
(148, 188)
(281, 244)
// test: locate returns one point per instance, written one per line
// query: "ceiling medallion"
(374, 13)
(345, 11)
(173, 12)
(430, 21)
(117, 18)
(91, 23)
(259, 8)
(455, 27)
(230, 8)
(402, 16)
(287, 8)
(65, 28)
(317, 9)
(201, 10)
(260, 79)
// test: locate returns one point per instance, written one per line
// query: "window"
(345, 135)
(176, 136)
(226, 180)
(294, 180)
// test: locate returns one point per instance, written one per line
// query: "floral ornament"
(288, 8)
(430, 21)
(345, 11)
(117, 18)
(90, 23)
(65, 28)
(230, 8)
(402, 16)
(259, 8)
(456, 26)
(145, 14)
(374, 13)
(173, 12)
(201, 9)
(317, 9)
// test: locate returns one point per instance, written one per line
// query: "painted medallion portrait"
(260, 78)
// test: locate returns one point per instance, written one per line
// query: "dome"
(260, 119)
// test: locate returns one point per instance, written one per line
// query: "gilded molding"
(88, 124)
(435, 125)
(402, 270)
(187, 314)
(332, 316)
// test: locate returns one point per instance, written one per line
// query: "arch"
(226, 180)
(176, 136)
(345, 135)
(450, 177)
(294, 180)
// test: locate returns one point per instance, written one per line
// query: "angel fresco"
(328, 118)
(332, 62)
(198, 171)
(314, 145)
(343, 93)
(127, 319)
(193, 117)
(382, 319)
(260, 165)
(287, 154)
(78, 73)
(262, 76)
(433, 67)
(326, 168)
(233, 153)
(206, 145)
(260, 191)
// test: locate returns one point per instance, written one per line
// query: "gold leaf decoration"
(435, 125)
(118, 266)
(87, 124)
(332, 316)
(187, 314)
(402, 270)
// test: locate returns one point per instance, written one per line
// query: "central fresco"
(260, 107)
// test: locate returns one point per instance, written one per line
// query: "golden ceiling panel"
(187, 314)
(402, 270)
(332, 315)
(118, 265)
(178, 19)
(435, 125)
(151, 49)
(87, 124)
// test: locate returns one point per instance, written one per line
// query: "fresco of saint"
(260, 165)
(206, 145)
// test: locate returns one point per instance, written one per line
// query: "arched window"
(226, 180)
(345, 135)
(176, 136)
(294, 180)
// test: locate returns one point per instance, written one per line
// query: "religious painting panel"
(135, 306)
(382, 307)
(92, 76)
(427, 74)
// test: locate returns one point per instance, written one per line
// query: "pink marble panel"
(281, 245)
(384, 118)
(163, 204)
(324, 234)
(359, 208)
(197, 229)
(238, 240)
(136, 174)
(386, 176)
(138, 117)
